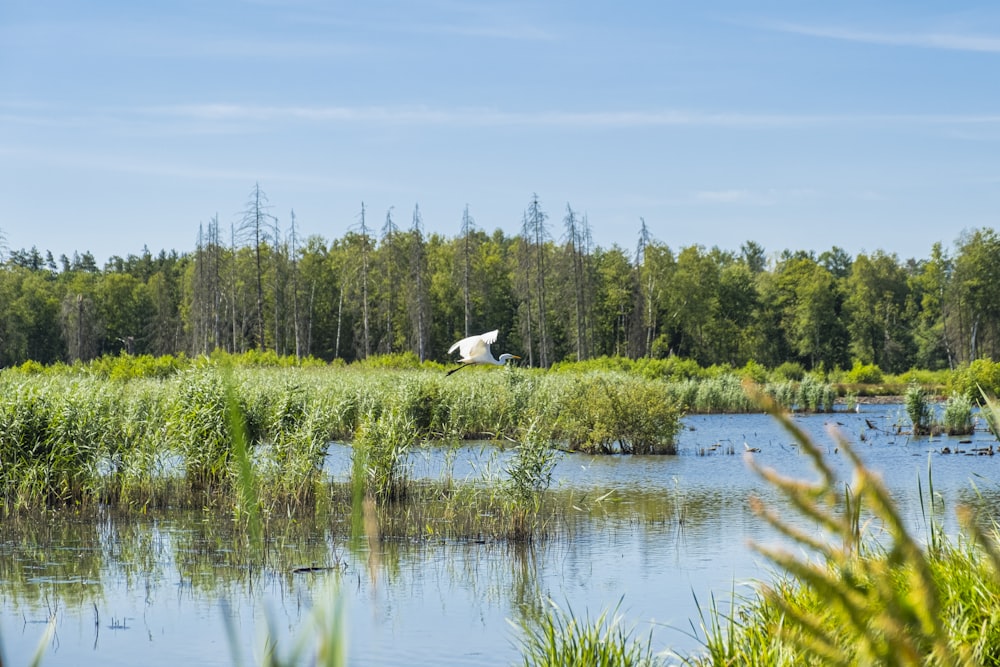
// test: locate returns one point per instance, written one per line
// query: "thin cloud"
(744, 196)
(924, 40)
(223, 117)
(519, 33)
(422, 115)
(724, 196)
(130, 165)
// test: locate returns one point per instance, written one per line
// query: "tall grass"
(80, 438)
(957, 417)
(919, 410)
(379, 454)
(558, 637)
(853, 600)
(724, 393)
(321, 640)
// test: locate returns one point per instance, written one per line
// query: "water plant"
(615, 413)
(529, 476)
(379, 454)
(854, 601)
(559, 637)
(529, 471)
(919, 410)
(320, 641)
(957, 417)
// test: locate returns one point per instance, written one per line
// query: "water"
(164, 589)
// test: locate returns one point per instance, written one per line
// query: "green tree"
(735, 323)
(972, 310)
(929, 282)
(123, 306)
(29, 317)
(878, 314)
(803, 307)
(615, 290)
(693, 298)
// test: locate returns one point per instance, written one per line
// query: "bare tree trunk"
(418, 299)
(364, 281)
(646, 288)
(279, 285)
(537, 227)
(309, 321)
(390, 233)
(79, 325)
(340, 318)
(232, 286)
(467, 226)
(295, 291)
(576, 260)
(257, 241)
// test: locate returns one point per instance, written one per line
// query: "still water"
(673, 532)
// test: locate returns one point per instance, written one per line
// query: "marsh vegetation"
(244, 451)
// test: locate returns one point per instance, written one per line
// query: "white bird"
(476, 350)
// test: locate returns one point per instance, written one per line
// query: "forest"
(388, 287)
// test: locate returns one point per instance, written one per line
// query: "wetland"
(146, 556)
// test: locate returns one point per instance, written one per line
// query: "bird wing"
(475, 347)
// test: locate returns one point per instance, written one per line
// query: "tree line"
(387, 286)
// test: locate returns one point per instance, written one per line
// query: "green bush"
(754, 372)
(790, 371)
(605, 413)
(864, 374)
(379, 453)
(981, 373)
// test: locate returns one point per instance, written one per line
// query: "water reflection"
(652, 531)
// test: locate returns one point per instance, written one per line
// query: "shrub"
(789, 371)
(864, 374)
(980, 374)
(754, 372)
(618, 413)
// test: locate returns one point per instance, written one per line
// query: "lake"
(655, 535)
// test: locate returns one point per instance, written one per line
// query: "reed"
(558, 637)
(724, 393)
(957, 416)
(321, 640)
(894, 602)
(614, 414)
(379, 454)
(144, 433)
(918, 408)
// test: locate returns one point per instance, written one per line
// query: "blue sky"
(801, 125)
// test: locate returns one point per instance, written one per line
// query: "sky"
(801, 125)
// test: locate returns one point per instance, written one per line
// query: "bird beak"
(515, 356)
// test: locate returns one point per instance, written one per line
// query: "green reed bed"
(725, 393)
(957, 416)
(71, 437)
